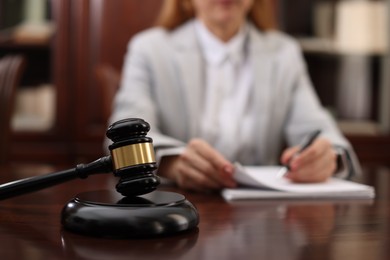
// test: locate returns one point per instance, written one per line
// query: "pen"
(305, 143)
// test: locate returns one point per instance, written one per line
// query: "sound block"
(107, 214)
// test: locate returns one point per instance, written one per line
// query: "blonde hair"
(175, 12)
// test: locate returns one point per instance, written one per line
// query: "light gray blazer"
(163, 83)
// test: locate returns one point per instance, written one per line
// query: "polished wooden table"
(30, 228)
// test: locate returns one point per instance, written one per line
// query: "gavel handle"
(23, 186)
(31, 184)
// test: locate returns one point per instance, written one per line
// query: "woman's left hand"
(316, 163)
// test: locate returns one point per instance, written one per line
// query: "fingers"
(210, 162)
(288, 154)
(192, 179)
(217, 161)
(177, 169)
(200, 167)
(198, 171)
(315, 164)
(318, 171)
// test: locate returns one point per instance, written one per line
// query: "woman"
(218, 85)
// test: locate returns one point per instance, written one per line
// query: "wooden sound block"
(108, 214)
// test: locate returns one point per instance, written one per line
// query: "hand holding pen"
(312, 161)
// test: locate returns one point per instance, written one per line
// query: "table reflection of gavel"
(74, 246)
(132, 159)
(169, 248)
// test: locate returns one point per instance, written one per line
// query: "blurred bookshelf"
(59, 116)
(346, 46)
(26, 28)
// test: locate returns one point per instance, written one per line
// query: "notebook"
(263, 182)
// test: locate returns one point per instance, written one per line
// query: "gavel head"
(133, 158)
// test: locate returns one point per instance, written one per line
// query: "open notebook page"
(263, 181)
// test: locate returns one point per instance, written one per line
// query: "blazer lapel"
(190, 75)
(263, 66)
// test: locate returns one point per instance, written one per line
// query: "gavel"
(131, 159)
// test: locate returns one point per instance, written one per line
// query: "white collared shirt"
(228, 83)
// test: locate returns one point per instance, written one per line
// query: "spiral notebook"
(263, 182)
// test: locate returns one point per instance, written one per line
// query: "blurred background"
(71, 53)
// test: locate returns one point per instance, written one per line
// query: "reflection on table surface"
(30, 227)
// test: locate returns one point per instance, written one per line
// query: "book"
(263, 182)
(362, 27)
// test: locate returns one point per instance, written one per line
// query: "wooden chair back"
(108, 80)
(11, 70)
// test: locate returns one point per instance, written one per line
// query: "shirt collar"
(216, 51)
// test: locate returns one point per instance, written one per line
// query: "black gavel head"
(133, 158)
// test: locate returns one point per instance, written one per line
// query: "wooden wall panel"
(100, 32)
(52, 146)
(120, 20)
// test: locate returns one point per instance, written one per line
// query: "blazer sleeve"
(307, 113)
(135, 95)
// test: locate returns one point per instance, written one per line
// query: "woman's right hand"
(200, 168)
